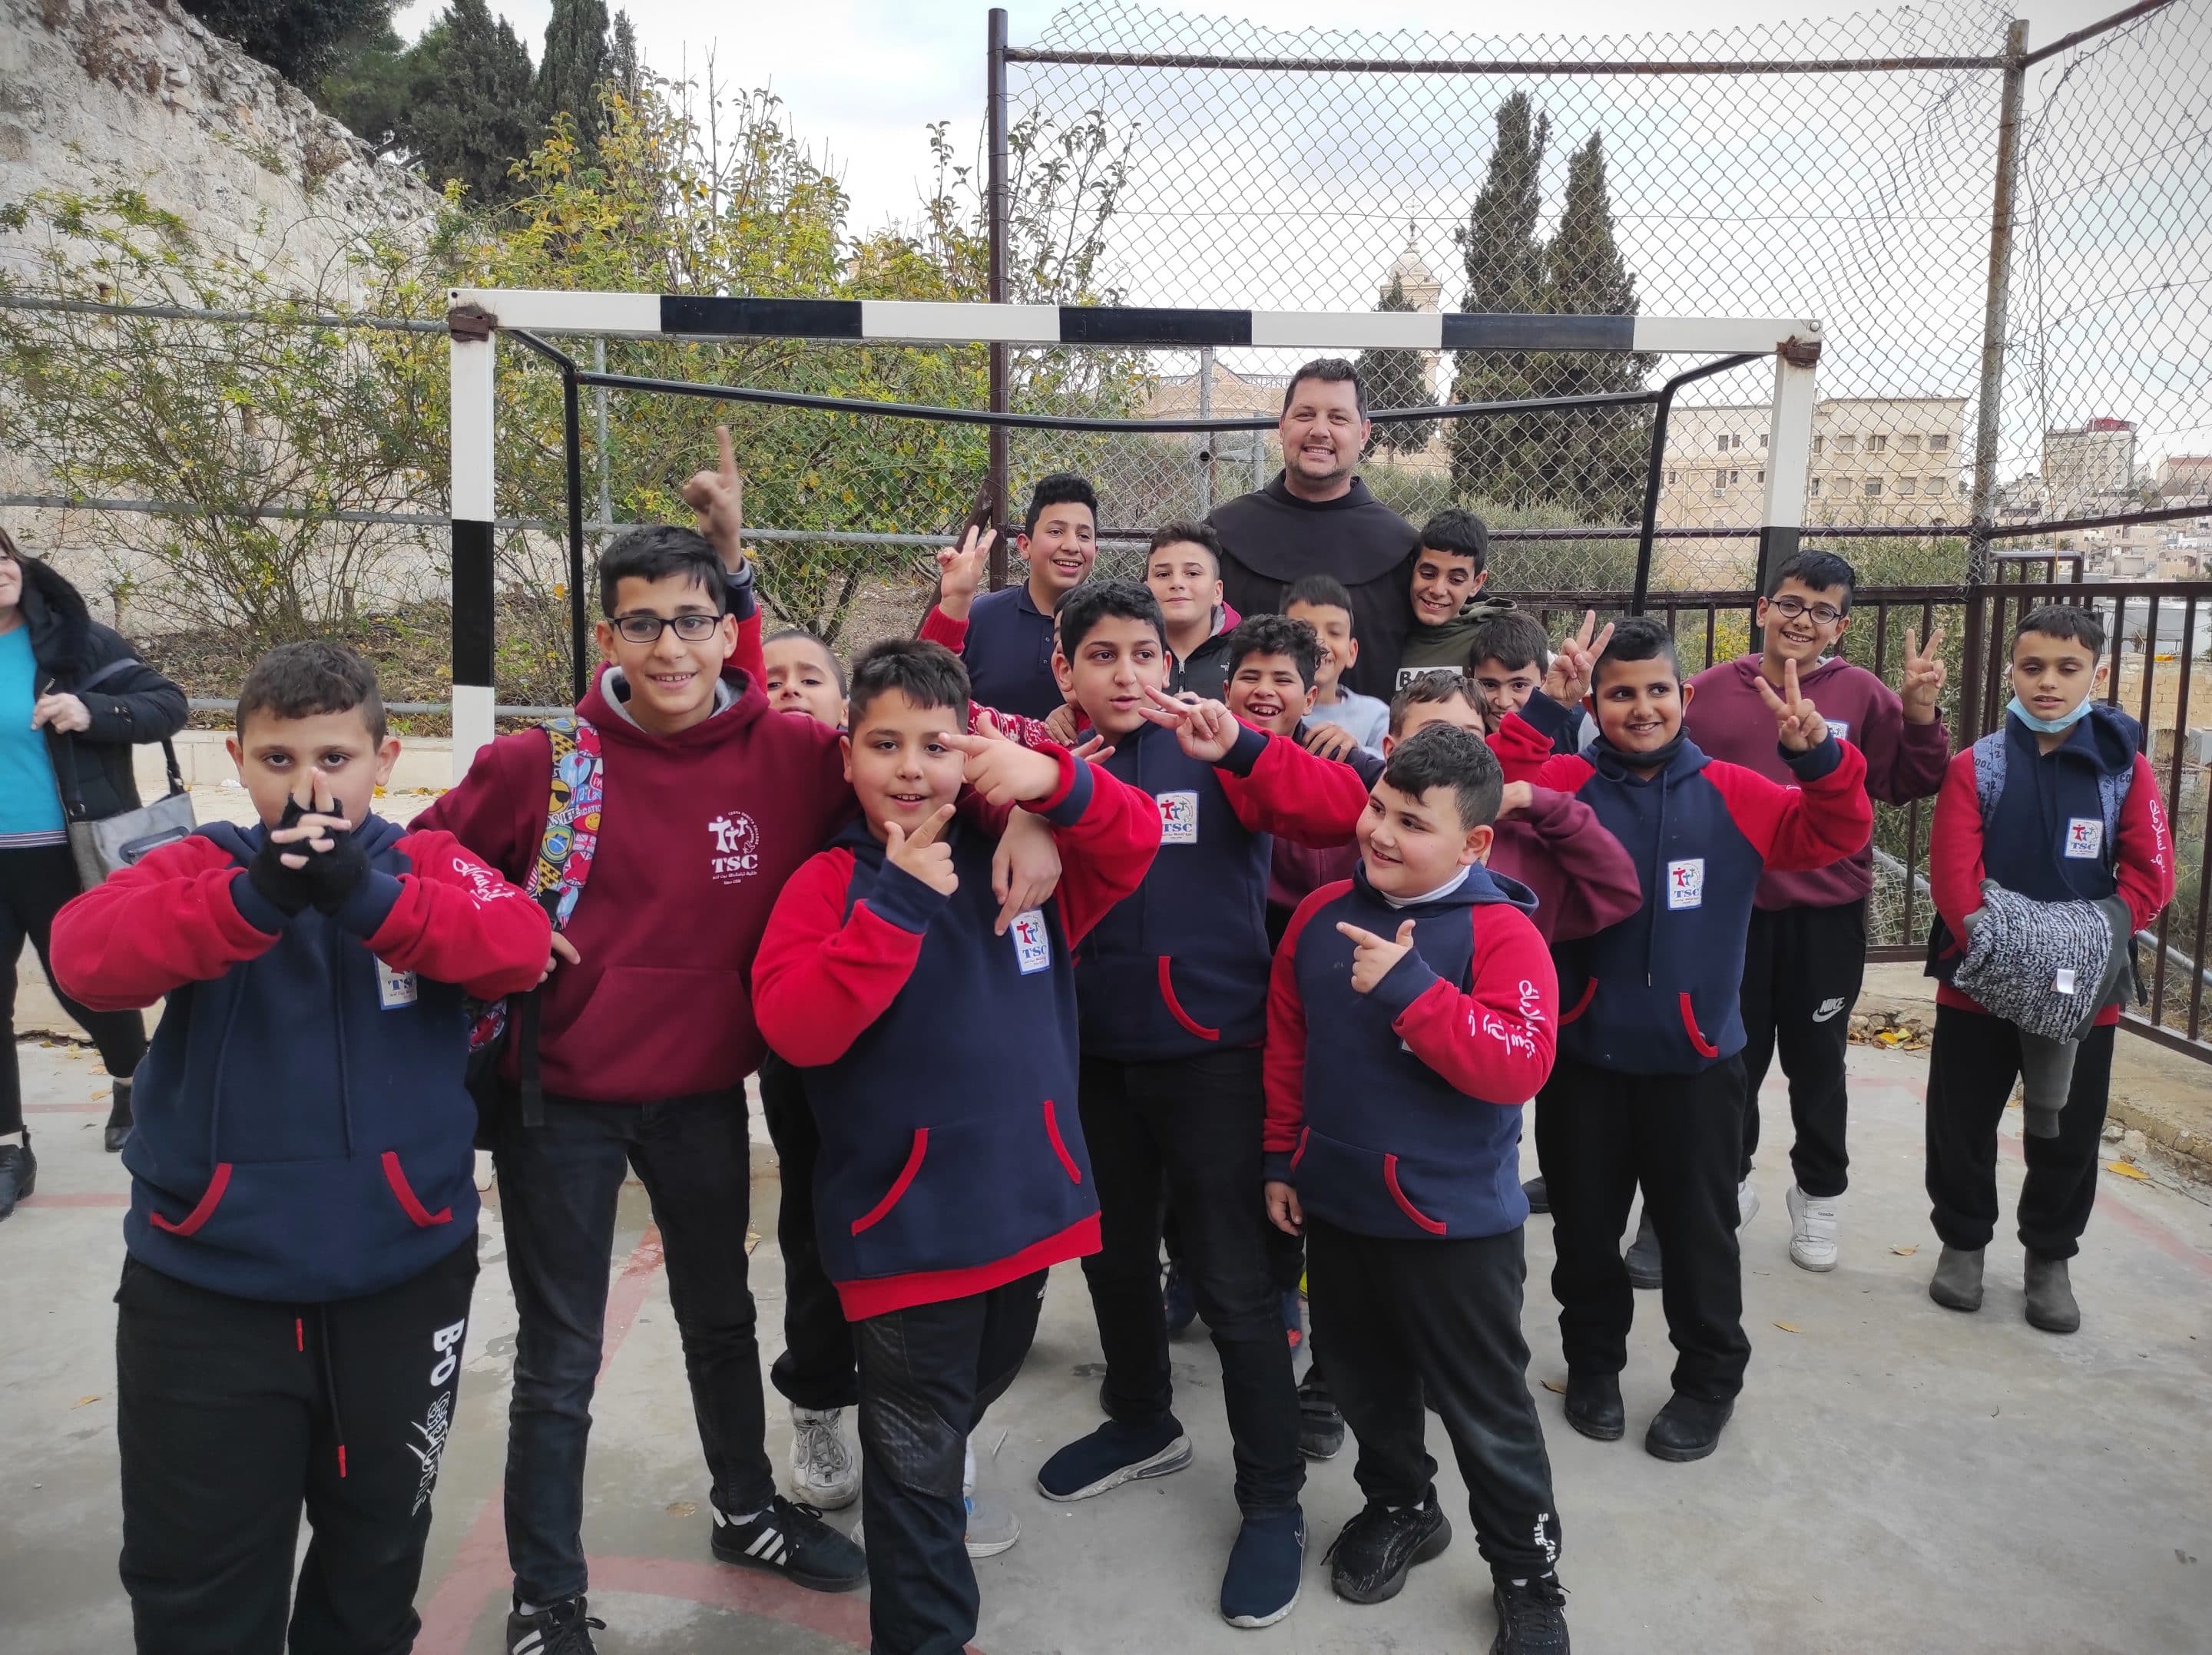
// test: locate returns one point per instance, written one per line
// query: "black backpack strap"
(522, 1010)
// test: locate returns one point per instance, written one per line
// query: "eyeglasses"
(1790, 608)
(648, 628)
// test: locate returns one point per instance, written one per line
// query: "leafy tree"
(578, 60)
(1398, 378)
(298, 38)
(475, 113)
(376, 81)
(1504, 264)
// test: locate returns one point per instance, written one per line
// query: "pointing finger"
(928, 833)
(729, 455)
(1362, 938)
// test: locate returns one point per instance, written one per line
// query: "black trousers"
(1440, 1320)
(926, 1376)
(1971, 1065)
(234, 1414)
(34, 884)
(817, 1368)
(1598, 1134)
(1196, 1121)
(558, 1184)
(1802, 972)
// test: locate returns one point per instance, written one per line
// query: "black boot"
(1593, 1406)
(1687, 1428)
(118, 1117)
(1644, 1269)
(19, 1173)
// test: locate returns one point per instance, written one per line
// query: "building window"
(1816, 485)
(1735, 476)
(1762, 439)
(1847, 445)
(1877, 442)
(1908, 485)
(1874, 489)
(1720, 483)
(1935, 488)
(1816, 445)
(1937, 442)
(1761, 478)
(1909, 443)
(1670, 479)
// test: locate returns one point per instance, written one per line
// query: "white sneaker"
(825, 1473)
(1812, 1230)
(992, 1525)
(1747, 1204)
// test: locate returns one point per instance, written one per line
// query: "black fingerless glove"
(334, 875)
(289, 890)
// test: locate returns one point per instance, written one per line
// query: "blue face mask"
(2051, 726)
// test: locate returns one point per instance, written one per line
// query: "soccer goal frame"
(477, 316)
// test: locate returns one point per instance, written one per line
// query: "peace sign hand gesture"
(1207, 729)
(1574, 663)
(1922, 684)
(1797, 722)
(718, 498)
(1372, 956)
(960, 571)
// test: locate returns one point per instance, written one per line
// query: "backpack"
(571, 835)
(1990, 780)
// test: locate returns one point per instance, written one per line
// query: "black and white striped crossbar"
(649, 315)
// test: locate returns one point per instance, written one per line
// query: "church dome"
(1415, 278)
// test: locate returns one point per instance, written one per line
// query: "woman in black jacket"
(50, 647)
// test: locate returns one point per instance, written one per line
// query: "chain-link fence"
(1846, 170)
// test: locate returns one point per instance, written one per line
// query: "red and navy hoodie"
(2044, 837)
(1182, 967)
(1657, 994)
(303, 1132)
(1403, 1118)
(941, 1057)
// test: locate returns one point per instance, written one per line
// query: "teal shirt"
(30, 804)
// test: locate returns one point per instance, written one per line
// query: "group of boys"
(1164, 843)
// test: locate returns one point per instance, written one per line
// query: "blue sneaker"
(1261, 1586)
(1177, 1298)
(1112, 1455)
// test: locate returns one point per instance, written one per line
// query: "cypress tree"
(576, 62)
(1493, 458)
(300, 39)
(1398, 378)
(625, 68)
(476, 114)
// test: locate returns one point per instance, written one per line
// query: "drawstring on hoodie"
(330, 1372)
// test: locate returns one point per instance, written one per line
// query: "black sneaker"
(792, 1541)
(1644, 1269)
(1320, 1425)
(117, 1129)
(1373, 1553)
(1540, 1199)
(561, 1628)
(1177, 1301)
(1532, 1618)
(19, 1173)
(1112, 1455)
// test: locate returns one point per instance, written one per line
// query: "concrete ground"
(1898, 1477)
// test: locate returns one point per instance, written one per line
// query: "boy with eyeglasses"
(1806, 952)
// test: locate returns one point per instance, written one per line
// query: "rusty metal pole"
(994, 128)
(1993, 342)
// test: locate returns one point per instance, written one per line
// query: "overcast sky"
(862, 78)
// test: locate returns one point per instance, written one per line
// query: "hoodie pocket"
(1698, 1043)
(1367, 1191)
(973, 1192)
(1580, 1004)
(421, 1216)
(1433, 1226)
(1190, 1024)
(210, 1199)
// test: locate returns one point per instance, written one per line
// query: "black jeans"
(1971, 1065)
(1195, 1121)
(1802, 972)
(558, 1183)
(234, 1414)
(1440, 1320)
(1598, 1134)
(926, 1376)
(815, 1370)
(34, 884)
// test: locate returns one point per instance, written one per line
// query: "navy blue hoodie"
(1657, 993)
(1402, 1118)
(940, 1058)
(303, 1133)
(1182, 967)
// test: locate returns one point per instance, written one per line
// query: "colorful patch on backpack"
(1178, 818)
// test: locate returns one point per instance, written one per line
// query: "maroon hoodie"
(1730, 720)
(698, 833)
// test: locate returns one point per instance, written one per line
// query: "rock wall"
(99, 94)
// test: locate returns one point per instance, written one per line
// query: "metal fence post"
(995, 125)
(1994, 306)
(1206, 444)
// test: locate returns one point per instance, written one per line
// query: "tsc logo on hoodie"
(736, 847)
